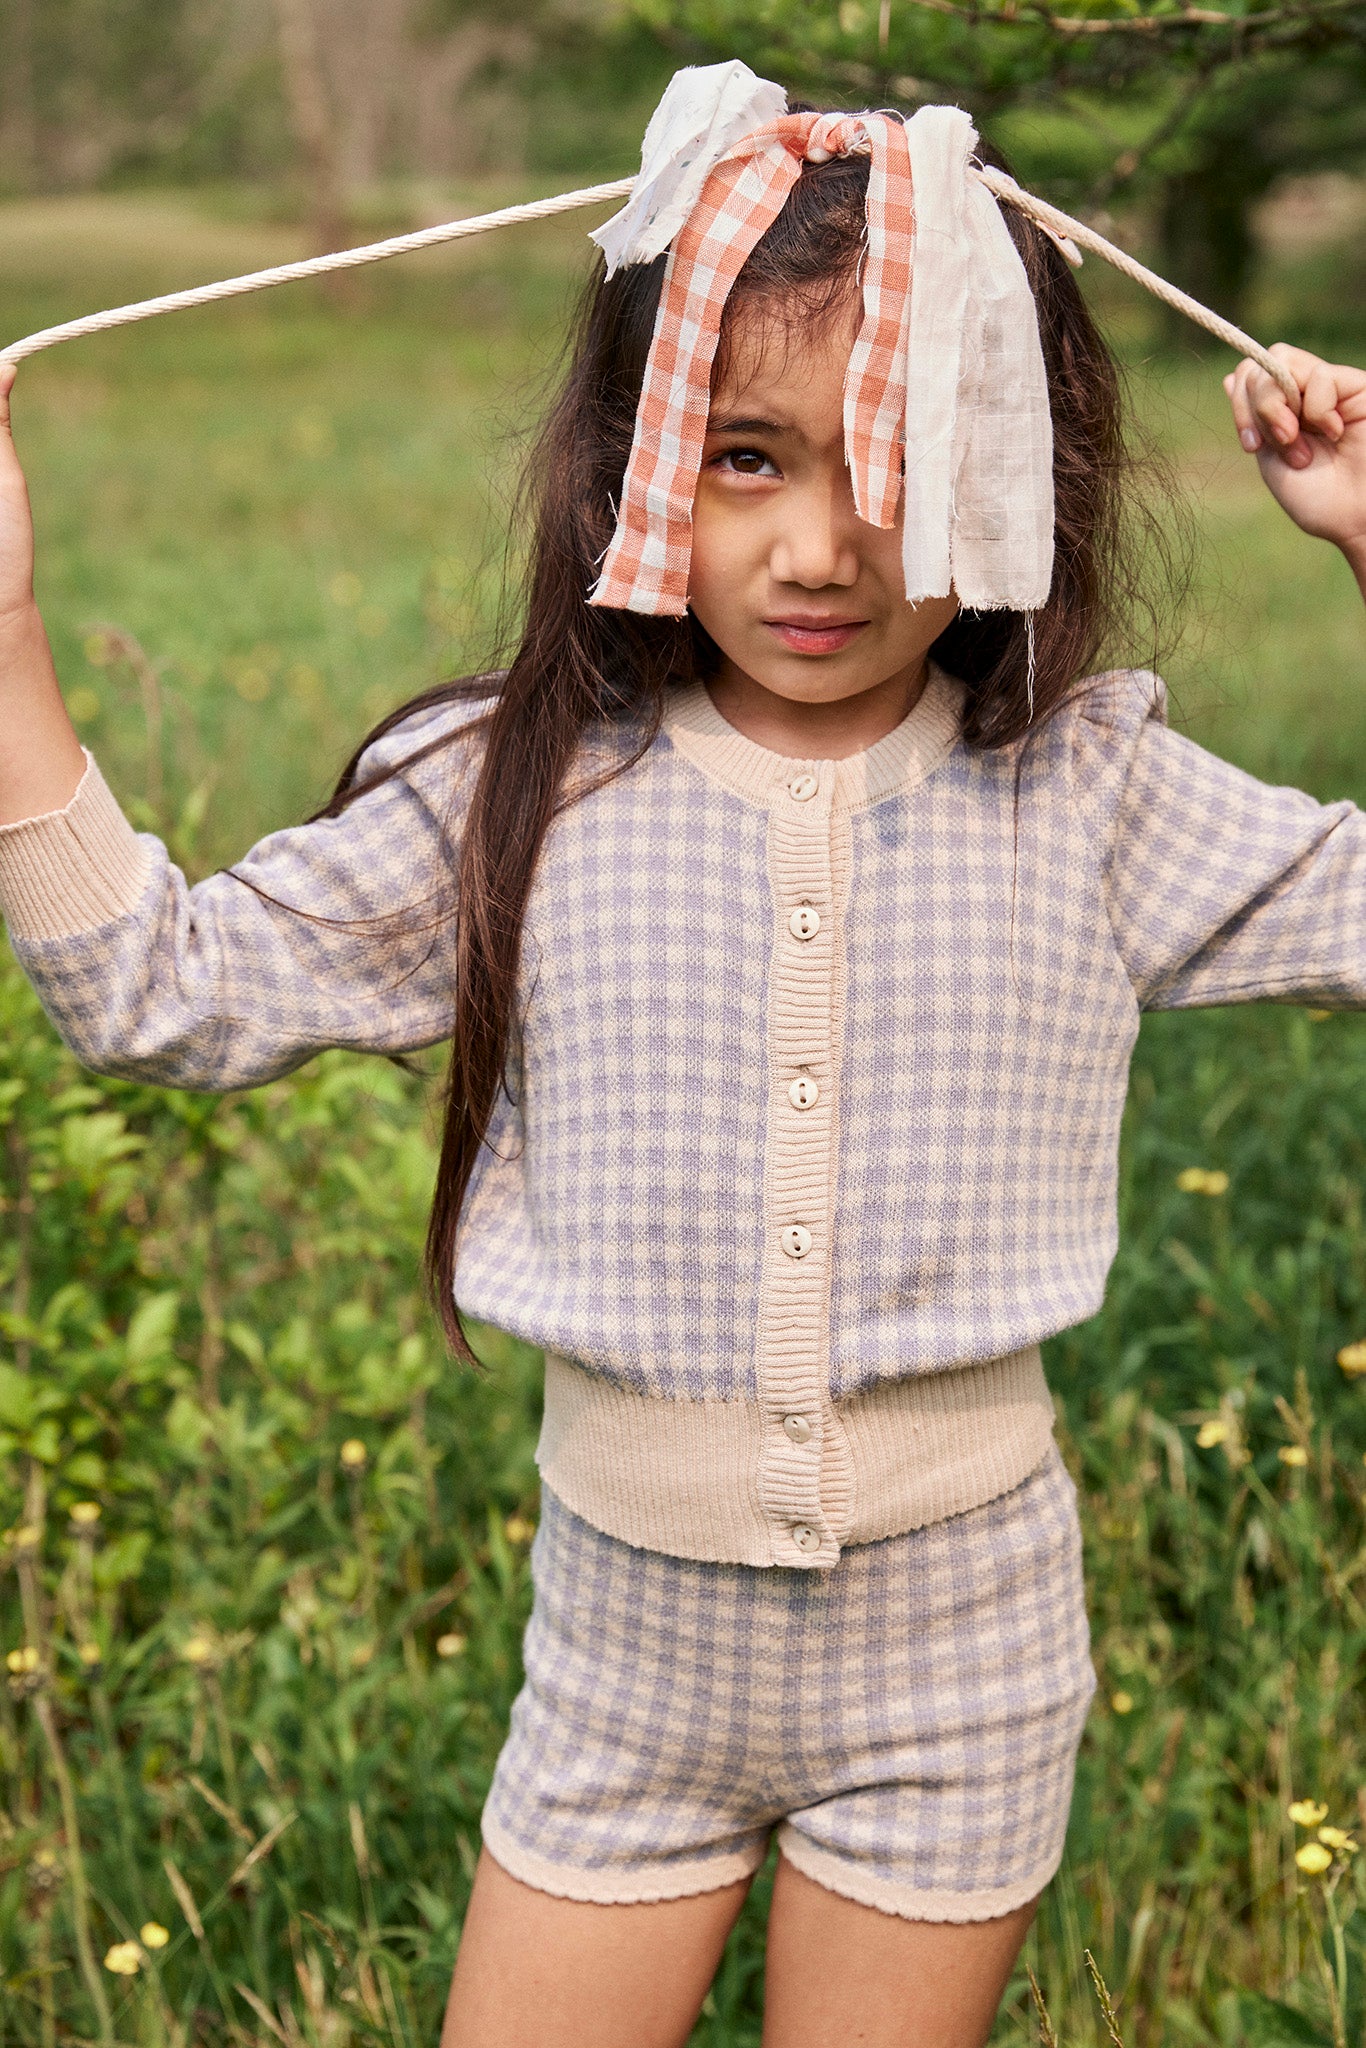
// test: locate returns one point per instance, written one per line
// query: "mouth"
(814, 633)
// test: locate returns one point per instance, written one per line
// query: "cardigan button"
(803, 786)
(797, 1429)
(796, 1240)
(804, 922)
(805, 1537)
(803, 1093)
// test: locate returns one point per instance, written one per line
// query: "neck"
(816, 731)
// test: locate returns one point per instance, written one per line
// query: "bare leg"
(841, 1972)
(539, 1972)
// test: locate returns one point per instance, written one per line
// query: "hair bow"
(946, 371)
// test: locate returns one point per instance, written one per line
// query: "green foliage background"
(295, 511)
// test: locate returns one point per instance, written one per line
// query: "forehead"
(782, 364)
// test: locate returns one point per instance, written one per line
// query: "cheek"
(724, 554)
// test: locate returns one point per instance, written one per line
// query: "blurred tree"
(1196, 109)
(1256, 123)
(314, 123)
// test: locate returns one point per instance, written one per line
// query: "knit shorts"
(908, 1720)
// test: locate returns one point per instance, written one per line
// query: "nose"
(816, 543)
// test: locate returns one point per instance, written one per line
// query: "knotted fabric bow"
(946, 372)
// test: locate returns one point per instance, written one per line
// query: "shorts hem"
(906, 1901)
(683, 1880)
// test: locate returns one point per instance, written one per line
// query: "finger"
(1275, 418)
(1236, 386)
(1319, 405)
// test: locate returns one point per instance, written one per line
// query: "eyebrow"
(729, 424)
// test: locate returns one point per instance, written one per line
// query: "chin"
(813, 684)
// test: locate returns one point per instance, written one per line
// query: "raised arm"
(336, 933)
(40, 758)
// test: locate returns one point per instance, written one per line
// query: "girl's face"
(800, 595)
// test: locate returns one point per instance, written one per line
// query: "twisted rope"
(1005, 188)
(1077, 231)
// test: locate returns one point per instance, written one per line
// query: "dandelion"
(23, 1660)
(1202, 1180)
(1307, 1813)
(1211, 1433)
(198, 1650)
(124, 1959)
(1293, 1454)
(518, 1530)
(1313, 1858)
(90, 1655)
(1339, 1839)
(1122, 1702)
(450, 1645)
(85, 1513)
(153, 1935)
(1352, 1359)
(353, 1455)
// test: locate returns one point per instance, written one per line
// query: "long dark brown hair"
(577, 669)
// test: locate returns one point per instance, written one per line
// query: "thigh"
(838, 1971)
(540, 1972)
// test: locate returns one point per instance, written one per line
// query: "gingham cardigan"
(813, 1133)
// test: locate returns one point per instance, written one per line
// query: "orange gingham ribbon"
(647, 562)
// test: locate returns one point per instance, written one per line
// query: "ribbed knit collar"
(896, 764)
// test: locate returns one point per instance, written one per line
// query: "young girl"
(809, 893)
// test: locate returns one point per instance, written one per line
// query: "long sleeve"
(1222, 889)
(335, 933)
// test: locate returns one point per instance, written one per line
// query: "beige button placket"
(804, 1477)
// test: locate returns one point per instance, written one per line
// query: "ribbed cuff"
(71, 870)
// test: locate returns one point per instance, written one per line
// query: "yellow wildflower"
(153, 1935)
(1352, 1359)
(1202, 1180)
(86, 1513)
(22, 1660)
(450, 1645)
(1211, 1433)
(1307, 1813)
(1293, 1454)
(90, 1654)
(353, 1454)
(519, 1530)
(25, 1537)
(1313, 1858)
(198, 1650)
(1338, 1838)
(1122, 1702)
(124, 1959)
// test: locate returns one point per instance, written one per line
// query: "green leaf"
(1266, 2023)
(122, 1559)
(151, 1330)
(17, 1405)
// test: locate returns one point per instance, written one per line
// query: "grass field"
(256, 1699)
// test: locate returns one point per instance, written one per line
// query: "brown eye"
(748, 462)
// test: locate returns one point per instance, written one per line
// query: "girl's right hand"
(16, 521)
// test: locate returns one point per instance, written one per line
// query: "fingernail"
(1250, 439)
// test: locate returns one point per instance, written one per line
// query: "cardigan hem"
(683, 1477)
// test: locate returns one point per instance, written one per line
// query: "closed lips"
(816, 635)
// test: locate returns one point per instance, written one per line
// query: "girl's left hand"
(1313, 460)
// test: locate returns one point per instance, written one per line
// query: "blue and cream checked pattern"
(659, 1206)
(908, 1721)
